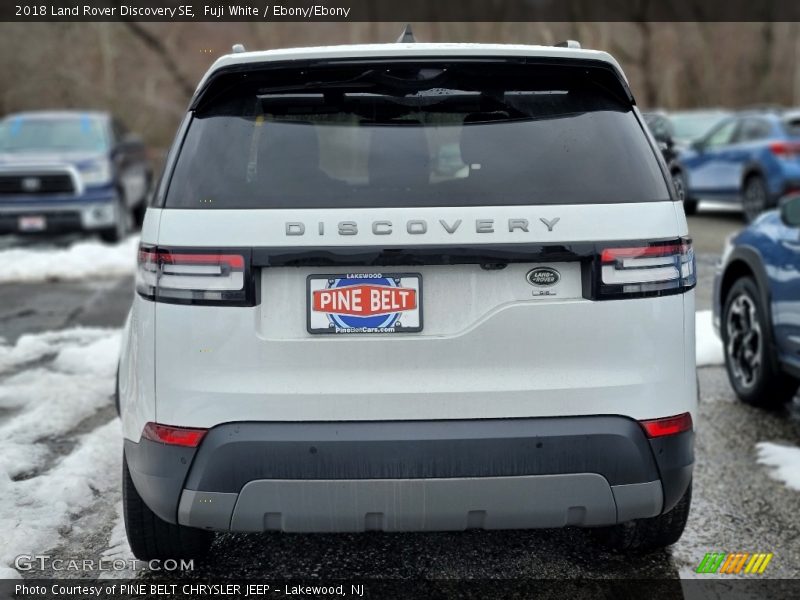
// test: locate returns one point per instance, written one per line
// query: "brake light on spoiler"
(647, 269)
(194, 277)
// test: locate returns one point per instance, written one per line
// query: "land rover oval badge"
(543, 276)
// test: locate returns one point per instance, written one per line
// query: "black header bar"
(409, 11)
(165, 586)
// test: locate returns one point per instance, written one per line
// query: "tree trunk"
(157, 46)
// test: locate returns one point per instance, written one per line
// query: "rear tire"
(141, 208)
(648, 534)
(122, 223)
(753, 369)
(152, 538)
(138, 214)
(679, 183)
(755, 197)
(116, 393)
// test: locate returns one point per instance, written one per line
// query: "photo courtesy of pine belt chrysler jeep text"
(410, 287)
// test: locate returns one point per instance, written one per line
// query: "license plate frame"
(320, 322)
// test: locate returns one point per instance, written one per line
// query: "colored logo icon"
(734, 563)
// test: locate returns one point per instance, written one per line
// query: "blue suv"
(751, 157)
(71, 171)
(757, 306)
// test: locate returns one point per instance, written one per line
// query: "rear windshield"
(405, 136)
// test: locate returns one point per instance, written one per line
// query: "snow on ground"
(31, 348)
(784, 460)
(68, 379)
(719, 207)
(33, 511)
(708, 345)
(82, 260)
(53, 397)
(118, 549)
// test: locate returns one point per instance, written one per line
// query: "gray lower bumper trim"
(447, 504)
(207, 510)
(638, 500)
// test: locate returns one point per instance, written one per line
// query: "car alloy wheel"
(744, 340)
(755, 198)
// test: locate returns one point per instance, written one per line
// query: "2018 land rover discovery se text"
(333, 331)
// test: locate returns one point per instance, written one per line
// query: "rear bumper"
(92, 210)
(414, 476)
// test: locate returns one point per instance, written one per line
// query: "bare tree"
(145, 72)
(157, 46)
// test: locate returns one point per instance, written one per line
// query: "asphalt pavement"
(737, 506)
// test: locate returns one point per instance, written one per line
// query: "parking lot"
(61, 304)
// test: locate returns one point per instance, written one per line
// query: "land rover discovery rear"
(410, 287)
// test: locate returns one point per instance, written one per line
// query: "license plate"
(32, 223)
(364, 303)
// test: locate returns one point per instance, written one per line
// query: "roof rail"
(238, 48)
(568, 44)
(407, 37)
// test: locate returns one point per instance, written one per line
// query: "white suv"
(410, 287)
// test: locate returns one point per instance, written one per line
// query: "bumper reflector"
(655, 428)
(174, 436)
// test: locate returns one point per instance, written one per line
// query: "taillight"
(785, 149)
(655, 428)
(194, 277)
(173, 436)
(648, 269)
